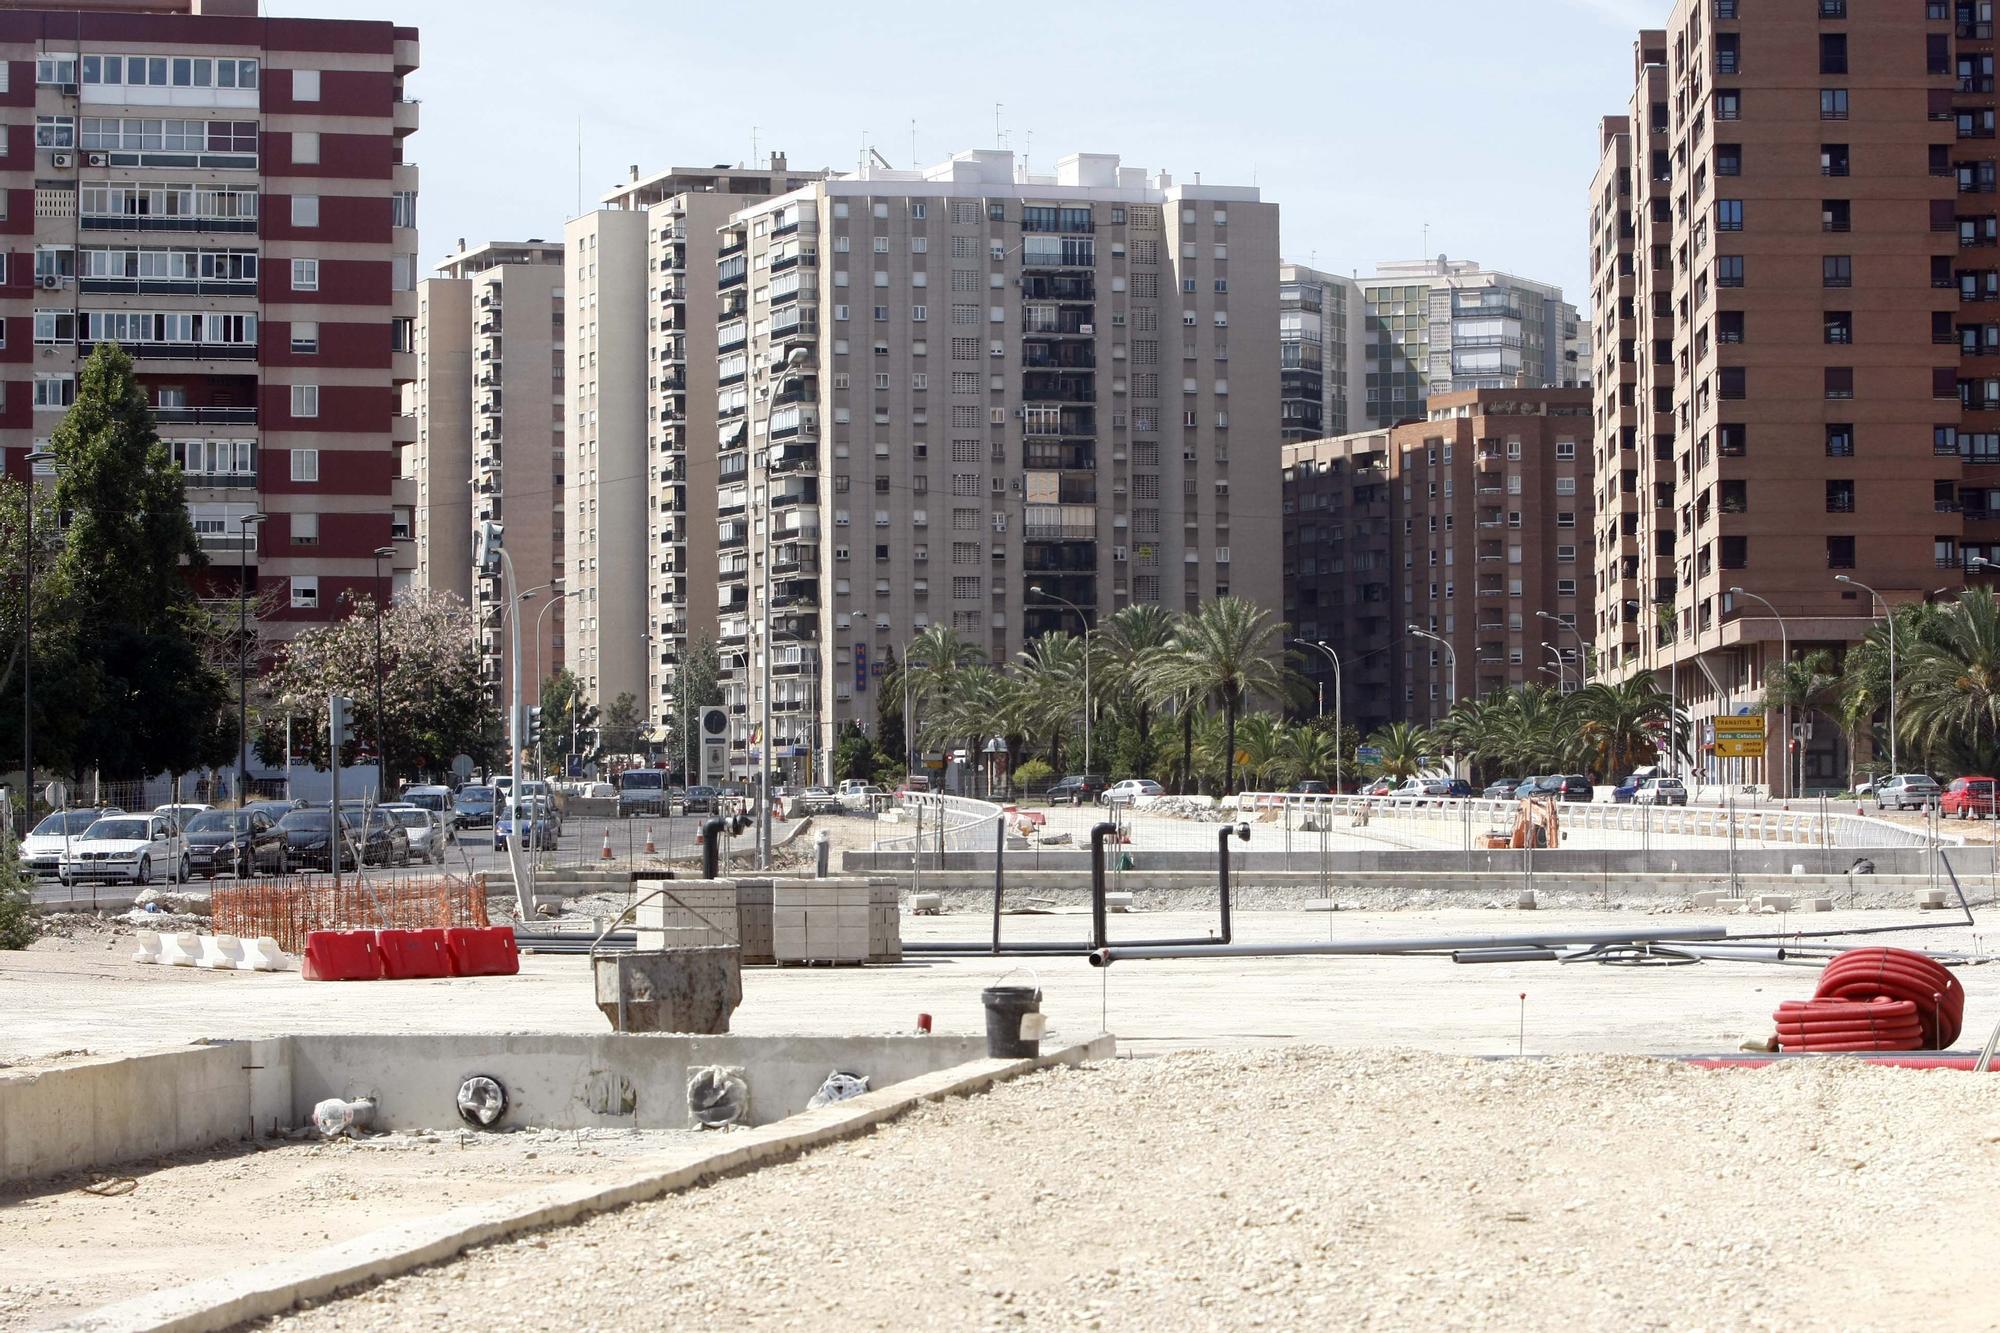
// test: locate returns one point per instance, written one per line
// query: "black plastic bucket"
(1005, 1007)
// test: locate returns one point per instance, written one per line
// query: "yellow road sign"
(1728, 747)
(1739, 727)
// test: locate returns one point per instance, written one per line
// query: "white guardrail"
(944, 823)
(1756, 826)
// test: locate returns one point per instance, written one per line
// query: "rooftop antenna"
(998, 137)
(753, 145)
(1027, 153)
(579, 166)
(915, 161)
(1427, 240)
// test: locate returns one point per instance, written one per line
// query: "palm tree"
(1404, 747)
(1622, 725)
(1050, 670)
(933, 660)
(1805, 685)
(1124, 649)
(1226, 651)
(1308, 752)
(1950, 684)
(1260, 738)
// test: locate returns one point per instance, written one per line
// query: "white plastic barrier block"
(223, 952)
(148, 950)
(180, 950)
(263, 955)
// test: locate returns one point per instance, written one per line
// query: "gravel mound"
(1303, 1187)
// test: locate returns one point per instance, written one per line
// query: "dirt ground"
(1306, 1188)
(77, 1242)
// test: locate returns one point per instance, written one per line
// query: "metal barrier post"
(999, 875)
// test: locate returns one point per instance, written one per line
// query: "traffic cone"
(650, 849)
(605, 854)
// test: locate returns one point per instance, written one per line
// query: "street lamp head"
(40, 455)
(1736, 592)
(250, 520)
(384, 552)
(1842, 578)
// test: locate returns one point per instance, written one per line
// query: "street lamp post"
(1888, 615)
(244, 524)
(28, 649)
(1037, 591)
(381, 730)
(543, 768)
(1451, 660)
(1785, 652)
(1338, 733)
(1582, 649)
(1562, 668)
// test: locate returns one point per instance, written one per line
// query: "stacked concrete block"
(691, 913)
(885, 922)
(753, 917)
(835, 921)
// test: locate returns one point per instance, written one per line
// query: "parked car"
(1530, 787)
(1574, 787)
(814, 801)
(701, 800)
(1419, 788)
(237, 842)
(438, 799)
(425, 830)
(1969, 798)
(642, 791)
(856, 794)
(554, 798)
(1501, 789)
(1907, 791)
(384, 840)
(1077, 789)
(275, 810)
(308, 838)
(134, 848)
(1661, 791)
(1130, 790)
(42, 849)
(181, 813)
(533, 817)
(596, 791)
(474, 806)
(1310, 787)
(1383, 786)
(1458, 788)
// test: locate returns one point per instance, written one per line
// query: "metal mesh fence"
(288, 910)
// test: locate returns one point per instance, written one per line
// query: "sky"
(1366, 122)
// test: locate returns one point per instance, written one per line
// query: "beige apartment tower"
(1793, 240)
(940, 391)
(490, 439)
(642, 433)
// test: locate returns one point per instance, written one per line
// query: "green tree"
(143, 698)
(1405, 746)
(1227, 651)
(434, 697)
(17, 908)
(1622, 725)
(1949, 684)
(1124, 649)
(697, 685)
(928, 669)
(855, 756)
(621, 730)
(1807, 684)
(1308, 752)
(1050, 672)
(565, 714)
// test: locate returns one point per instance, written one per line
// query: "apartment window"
(1839, 325)
(1729, 270)
(1840, 381)
(305, 402)
(841, 312)
(1732, 440)
(920, 314)
(1734, 552)
(1840, 553)
(1732, 382)
(305, 147)
(1728, 104)
(1836, 215)
(1837, 271)
(1729, 326)
(1833, 53)
(1729, 215)
(305, 210)
(1565, 519)
(1728, 159)
(305, 591)
(305, 529)
(305, 337)
(1840, 496)
(881, 314)
(1833, 104)
(305, 275)
(305, 462)
(1833, 159)
(54, 391)
(1728, 52)
(305, 85)
(1840, 439)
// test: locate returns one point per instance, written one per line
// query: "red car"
(1969, 798)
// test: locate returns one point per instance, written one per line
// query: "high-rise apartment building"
(1319, 328)
(974, 397)
(1473, 524)
(1447, 325)
(641, 407)
(489, 445)
(1793, 237)
(226, 197)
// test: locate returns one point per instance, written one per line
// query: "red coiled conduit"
(1876, 1000)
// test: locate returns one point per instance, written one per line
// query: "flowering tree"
(434, 699)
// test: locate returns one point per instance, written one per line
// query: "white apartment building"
(640, 409)
(939, 391)
(1319, 333)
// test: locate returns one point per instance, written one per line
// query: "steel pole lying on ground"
(1104, 957)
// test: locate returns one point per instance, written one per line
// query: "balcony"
(181, 351)
(404, 116)
(205, 416)
(168, 287)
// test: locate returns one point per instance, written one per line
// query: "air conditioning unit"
(69, 90)
(62, 159)
(98, 159)
(51, 281)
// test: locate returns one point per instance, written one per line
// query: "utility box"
(693, 989)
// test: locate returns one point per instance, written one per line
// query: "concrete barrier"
(1262, 859)
(95, 1113)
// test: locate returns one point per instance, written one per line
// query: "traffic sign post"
(1739, 737)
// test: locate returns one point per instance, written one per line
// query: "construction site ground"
(1306, 1188)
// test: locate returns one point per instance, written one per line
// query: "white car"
(426, 829)
(1907, 791)
(41, 850)
(133, 848)
(1130, 790)
(181, 813)
(856, 794)
(1661, 791)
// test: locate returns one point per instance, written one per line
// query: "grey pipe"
(1099, 930)
(711, 855)
(1104, 957)
(1222, 836)
(1528, 954)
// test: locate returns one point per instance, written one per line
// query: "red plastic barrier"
(341, 955)
(482, 951)
(410, 954)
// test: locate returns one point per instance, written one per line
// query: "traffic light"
(486, 542)
(534, 736)
(339, 723)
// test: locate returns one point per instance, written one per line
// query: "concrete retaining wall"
(97, 1113)
(1749, 861)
